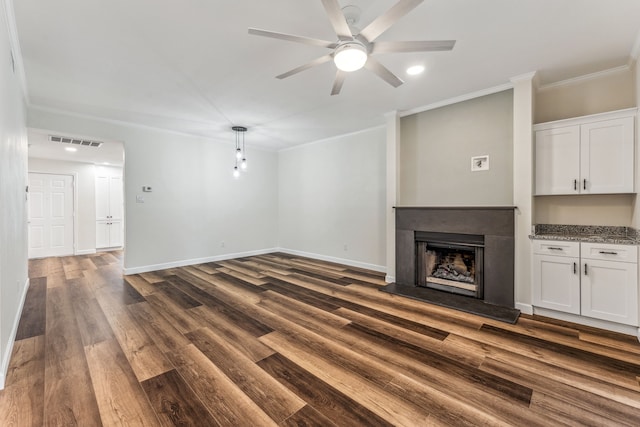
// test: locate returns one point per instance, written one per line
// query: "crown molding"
(457, 99)
(140, 126)
(331, 138)
(16, 51)
(530, 76)
(586, 77)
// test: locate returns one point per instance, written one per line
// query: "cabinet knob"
(584, 184)
(585, 269)
(575, 184)
(551, 248)
(608, 253)
(575, 267)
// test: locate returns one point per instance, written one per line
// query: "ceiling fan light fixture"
(350, 56)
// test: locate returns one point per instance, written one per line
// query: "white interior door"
(50, 215)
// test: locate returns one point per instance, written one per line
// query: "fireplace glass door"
(451, 266)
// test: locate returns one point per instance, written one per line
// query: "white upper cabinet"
(586, 155)
(557, 165)
(606, 156)
(109, 197)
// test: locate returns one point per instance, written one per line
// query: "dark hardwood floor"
(289, 341)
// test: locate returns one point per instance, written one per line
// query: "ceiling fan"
(354, 51)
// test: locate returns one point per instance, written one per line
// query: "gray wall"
(436, 148)
(13, 206)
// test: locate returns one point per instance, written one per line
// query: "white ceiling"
(190, 65)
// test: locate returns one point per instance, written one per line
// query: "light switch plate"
(139, 199)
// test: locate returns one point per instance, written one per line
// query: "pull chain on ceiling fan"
(354, 51)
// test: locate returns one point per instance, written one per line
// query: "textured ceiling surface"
(190, 65)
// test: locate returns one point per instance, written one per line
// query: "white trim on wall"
(580, 79)
(183, 263)
(349, 262)
(86, 252)
(587, 321)
(332, 138)
(133, 125)
(458, 99)
(6, 357)
(524, 308)
(16, 51)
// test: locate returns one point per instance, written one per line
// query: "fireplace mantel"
(495, 223)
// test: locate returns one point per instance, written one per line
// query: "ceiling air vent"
(75, 141)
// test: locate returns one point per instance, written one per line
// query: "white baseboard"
(587, 321)
(524, 308)
(182, 263)
(352, 263)
(6, 357)
(389, 279)
(85, 252)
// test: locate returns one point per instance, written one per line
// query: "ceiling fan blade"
(292, 38)
(338, 21)
(387, 19)
(382, 72)
(412, 46)
(337, 83)
(317, 61)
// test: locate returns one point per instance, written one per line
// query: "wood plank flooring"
(279, 340)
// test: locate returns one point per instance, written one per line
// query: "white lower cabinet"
(589, 279)
(556, 276)
(109, 234)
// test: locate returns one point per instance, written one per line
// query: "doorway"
(87, 160)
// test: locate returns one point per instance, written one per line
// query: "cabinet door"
(115, 197)
(557, 160)
(102, 198)
(556, 283)
(115, 234)
(102, 234)
(610, 291)
(606, 162)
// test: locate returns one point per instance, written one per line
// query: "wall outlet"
(222, 244)
(346, 247)
(147, 189)
(139, 199)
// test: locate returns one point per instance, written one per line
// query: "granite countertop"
(586, 233)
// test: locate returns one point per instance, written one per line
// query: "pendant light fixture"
(241, 156)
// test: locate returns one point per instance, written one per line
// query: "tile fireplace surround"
(496, 224)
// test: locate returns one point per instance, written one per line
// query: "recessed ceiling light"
(415, 70)
(72, 149)
(106, 163)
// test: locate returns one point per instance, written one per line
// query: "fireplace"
(450, 262)
(484, 233)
